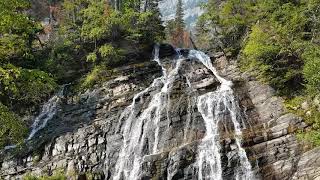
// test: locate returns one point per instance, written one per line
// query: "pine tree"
(179, 24)
(179, 16)
(175, 28)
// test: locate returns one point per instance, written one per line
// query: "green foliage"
(274, 38)
(17, 30)
(22, 87)
(98, 75)
(147, 28)
(92, 57)
(278, 41)
(89, 36)
(179, 16)
(62, 58)
(110, 54)
(107, 51)
(21, 83)
(311, 137)
(12, 130)
(34, 86)
(226, 23)
(96, 23)
(56, 176)
(175, 28)
(276, 64)
(105, 29)
(311, 116)
(284, 45)
(293, 105)
(311, 70)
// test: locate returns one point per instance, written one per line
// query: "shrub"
(56, 176)
(22, 88)
(98, 75)
(264, 52)
(311, 69)
(12, 130)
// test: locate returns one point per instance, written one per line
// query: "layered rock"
(86, 134)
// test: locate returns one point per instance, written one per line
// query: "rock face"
(85, 136)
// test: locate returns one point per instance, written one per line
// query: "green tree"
(175, 28)
(90, 36)
(17, 30)
(95, 22)
(226, 23)
(12, 130)
(311, 70)
(179, 24)
(276, 40)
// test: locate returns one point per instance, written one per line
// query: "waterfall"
(138, 125)
(47, 112)
(138, 122)
(214, 106)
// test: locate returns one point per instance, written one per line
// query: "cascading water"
(190, 109)
(48, 110)
(137, 127)
(214, 107)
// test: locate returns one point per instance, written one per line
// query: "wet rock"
(166, 51)
(86, 136)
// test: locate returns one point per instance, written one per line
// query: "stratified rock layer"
(85, 135)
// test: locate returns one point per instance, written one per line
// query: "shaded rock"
(166, 51)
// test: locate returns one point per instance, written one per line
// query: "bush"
(56, 176)
(63, 57)
(12, 130)
(312, 137)
(311, 116)
(22, 88)
(311, 69)
(98, 75)
(264, 54)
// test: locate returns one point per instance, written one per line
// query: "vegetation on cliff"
(82, 38)
(277, 41)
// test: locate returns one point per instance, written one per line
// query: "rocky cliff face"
(86, 134)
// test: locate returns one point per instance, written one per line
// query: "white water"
(215, 107)
(48, 110)
(190, 110)
(138, 127)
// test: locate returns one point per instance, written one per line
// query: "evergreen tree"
(179, 16)
(179, 24)
(89, 36)
(175, 29)
(17, 30)
(277, 41)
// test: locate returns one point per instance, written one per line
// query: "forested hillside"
(276, 40)
(79, 42)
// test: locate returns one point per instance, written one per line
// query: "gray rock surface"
(86, 131)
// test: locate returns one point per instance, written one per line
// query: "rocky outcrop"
(86, 135)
